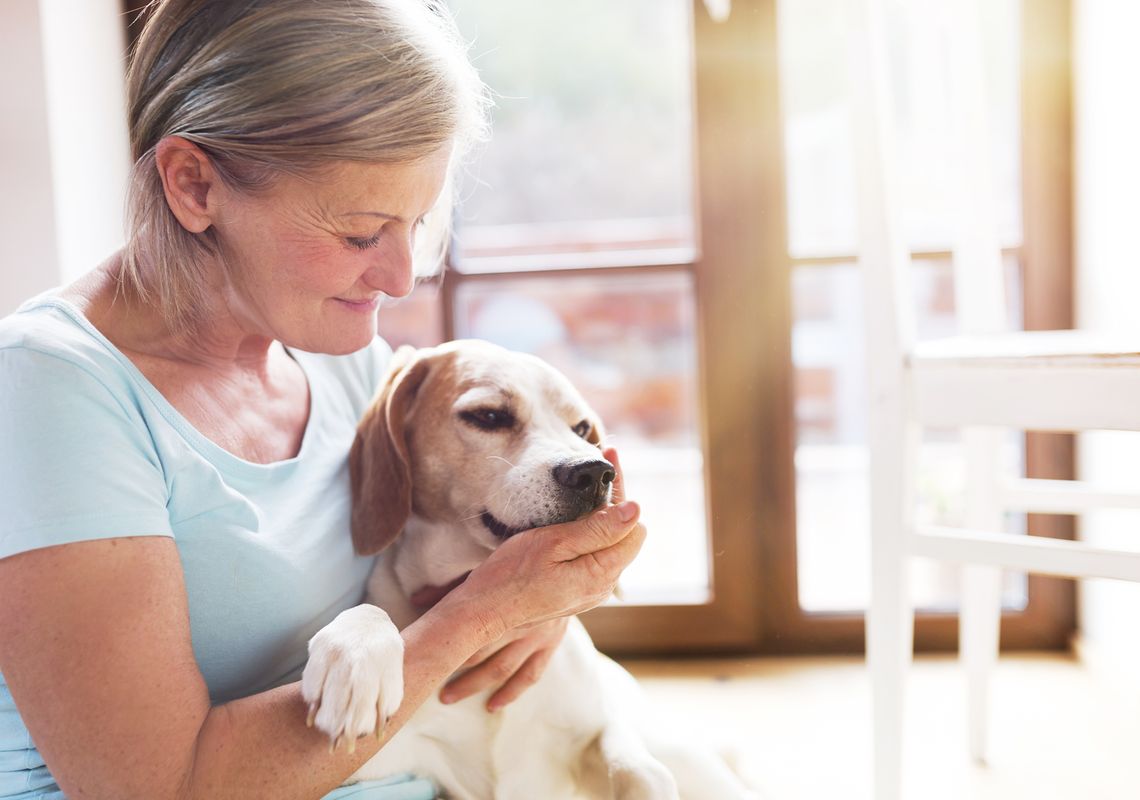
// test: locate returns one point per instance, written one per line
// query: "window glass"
(416, 319)
(815, 96)
(592, 130)
(832, 478)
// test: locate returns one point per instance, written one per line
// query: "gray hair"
(286, 87)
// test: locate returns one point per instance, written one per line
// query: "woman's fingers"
(555, 571)
(495, 671)
(525, 677)
(618, 556)
(602, 530)
(618, 493)
(512, 668)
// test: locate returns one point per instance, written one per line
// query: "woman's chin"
(336, 337)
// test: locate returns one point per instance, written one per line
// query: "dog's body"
(493, 443)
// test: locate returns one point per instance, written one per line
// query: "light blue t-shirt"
(89, 449)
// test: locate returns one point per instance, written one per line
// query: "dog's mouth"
(501, 530)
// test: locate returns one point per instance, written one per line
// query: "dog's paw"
(354, 681)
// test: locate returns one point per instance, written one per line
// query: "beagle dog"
(465, 445)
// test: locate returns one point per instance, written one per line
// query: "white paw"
(354, 681)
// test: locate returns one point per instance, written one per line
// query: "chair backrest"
(884, 255)
(979, 273)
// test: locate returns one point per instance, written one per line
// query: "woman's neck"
(217, 339)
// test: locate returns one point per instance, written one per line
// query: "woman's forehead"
(391, 191)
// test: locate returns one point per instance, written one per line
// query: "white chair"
(981, 381)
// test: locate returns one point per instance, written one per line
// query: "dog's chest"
(471, 753)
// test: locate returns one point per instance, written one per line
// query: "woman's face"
(306, 262)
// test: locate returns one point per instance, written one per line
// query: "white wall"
(1107, 208)
(29, 260)
(63, 141)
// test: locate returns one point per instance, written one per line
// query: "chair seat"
(1034, 380)
(1034, 350)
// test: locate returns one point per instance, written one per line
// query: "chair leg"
(890, 642)
(980, 614)
(979, 631)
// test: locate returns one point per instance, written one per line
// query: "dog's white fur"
(426, 475)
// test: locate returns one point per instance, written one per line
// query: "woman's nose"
(392, 271)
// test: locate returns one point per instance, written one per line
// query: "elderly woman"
(175, 425)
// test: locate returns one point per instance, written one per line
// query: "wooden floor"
(801, 727)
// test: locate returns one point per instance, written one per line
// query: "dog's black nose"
(588, 478)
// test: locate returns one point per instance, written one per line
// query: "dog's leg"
(354, 681)
(617, 765)
(700, 775)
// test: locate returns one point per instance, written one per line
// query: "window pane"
(628, 345)
(815, 97)
(592, 129)
(832, 478)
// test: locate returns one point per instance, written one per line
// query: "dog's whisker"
(478, 503)
(511, 500)
(505, 461)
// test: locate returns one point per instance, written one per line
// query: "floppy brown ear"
(379, 469)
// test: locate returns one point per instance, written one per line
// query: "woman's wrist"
(460, 624)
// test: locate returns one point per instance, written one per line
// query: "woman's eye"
(489, 419)
(583, 428)
(363, 244)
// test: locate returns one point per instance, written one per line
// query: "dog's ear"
(378, 464)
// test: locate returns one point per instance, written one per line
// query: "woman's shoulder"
(51, 326)
(47, 341)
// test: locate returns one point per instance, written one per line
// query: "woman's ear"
(188, 178)
(379, 468)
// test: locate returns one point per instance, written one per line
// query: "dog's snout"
(590, 478)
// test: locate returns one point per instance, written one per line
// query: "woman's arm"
(95, 647)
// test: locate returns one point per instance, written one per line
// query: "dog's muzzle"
(585, 484)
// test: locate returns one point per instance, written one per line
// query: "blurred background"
(666, 211)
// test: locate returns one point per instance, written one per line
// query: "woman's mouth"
(362, 306)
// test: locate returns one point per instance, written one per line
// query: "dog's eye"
(489, 419)
(583, 428)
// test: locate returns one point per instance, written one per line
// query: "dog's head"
(477, 437)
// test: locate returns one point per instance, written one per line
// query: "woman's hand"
(541, 575)
(513, 664)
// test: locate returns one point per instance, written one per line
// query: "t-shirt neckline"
(204, 444)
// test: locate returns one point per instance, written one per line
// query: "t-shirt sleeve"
(77, 461)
